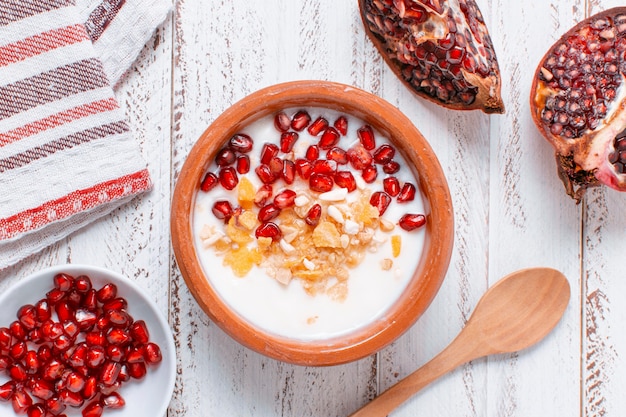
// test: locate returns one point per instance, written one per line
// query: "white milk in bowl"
(309, 223)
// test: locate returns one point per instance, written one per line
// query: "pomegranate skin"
(440, 49)
(577, 102)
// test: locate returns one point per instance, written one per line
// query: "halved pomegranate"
(578, 102)
(440, 49)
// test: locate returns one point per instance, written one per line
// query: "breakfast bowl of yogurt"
(312, 222)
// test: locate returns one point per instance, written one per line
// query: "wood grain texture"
(510, 212)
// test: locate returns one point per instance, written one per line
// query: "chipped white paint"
(510, 208)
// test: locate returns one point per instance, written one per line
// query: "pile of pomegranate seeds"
(75, 347)
(323, 166)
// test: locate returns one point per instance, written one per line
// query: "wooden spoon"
(515, 313)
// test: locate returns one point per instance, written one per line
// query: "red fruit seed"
(300, 120)
(407, 193)
(341, 124)
(317, 126)
(320, 183)
(366, 136)
(287, 140)
(270, 230)
(412, 221)
(313, 215)
(241, 142)
(381, 201)
(228, 177)
(391, 185)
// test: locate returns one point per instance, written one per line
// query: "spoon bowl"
(515, 313)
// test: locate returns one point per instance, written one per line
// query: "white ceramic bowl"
(148, 397)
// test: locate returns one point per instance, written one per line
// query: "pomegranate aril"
(82, 283)
(107, 292)
(304, 168)
(391, 167)
(31, 362)
(345, 179)
(300, 120)
(85, 319)
(90, 300)
(70, 328)
(74, 382)
(6, 390)
(73, 399)
(18, 350)
(118, 303)
(115, 353)
(384, 154)
(369, 174)
(17, 372)
(284, 199)
(134, 355)
(268, 151)
(27, 315)
(95, 356)
(265, 174)
(113, 400)
(243, 164)
(412, 221)
(381, 201)
(109, 372)
(222, 210)
(225, 157)
(241, 142)
(359, 157)
(329, 138)
(287, 140)
(312, 153)
(268, 212)
(263, 194)
(63, 282)
(139, 332)
(63, 342)
(64, 311)
(391, 185)
(276, 167)
(36, 410)
(324, 166)
(209, 182)
(5, 362)
(93, 409)
(282, 122)
(289, 171)
(17, 330)
(74, 298)
(317, 126)
(55, 295)
(313, 216)
(320, 183)
(152, 353)
(366, 137)
(91, 388)
(55, 405)
(137, 370)
(228, 178)
(118, 337)
(5, 338)
(270, 230)
(338, 155)
(78, 355)
(21, 401)
(341, 124)
(407, 193)
(119, 318)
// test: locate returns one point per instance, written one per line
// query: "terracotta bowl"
(439, 233)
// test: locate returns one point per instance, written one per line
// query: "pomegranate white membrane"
(288, 268)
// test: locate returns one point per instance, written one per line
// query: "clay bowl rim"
(438, 245)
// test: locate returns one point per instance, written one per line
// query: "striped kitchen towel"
(67, 155)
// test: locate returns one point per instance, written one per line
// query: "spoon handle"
(461, 350)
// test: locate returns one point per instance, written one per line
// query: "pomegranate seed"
(384, 154)
(82, 284)
(312, 217)
(412, 221)
(123, 376)
(27, 316)
(265, 174)
(381, 201)
(93, 409)
(369, 174)
(407, 193)
(107, 292)
(31, 362)
(152, 353)
(79, 355)
(85, 319)
(300, 120)
(241, 142)
(287, 140)
(44, 353)
(74, 298)
(359, 157)
(118, 318)
(329, 138)
(90, 301)
(338, 155)
(134, 355)
(63, 342)
(391, 185)
(36, 410)
(225, 157)
(276, 167)
(64, 311)
(312, 153)
(5, 338)
(263, 194)
(91, 388)
(96, 356)
(289, 171)
(74, 382)
(5, 362)
(118, 303)
(209, 182)
(41, 389)
(285, 199)
(17, 372)
(55, 406)
(95, 338)
(139, 332)
(341, 124)
(391, 167)
(110, 371)
(70, 328)
(18, 350)
(51, 330)
(303, 168)
(73, 399)
(42, 310)
(118, 337)
(17, 330)
(55, 295)
(223, 210)
(268, 212)
(366, 136)
(282, 122)
(324, 166)
(320, 183)
(63, 282)
(270, 230)
(52, 370)
(268, 152)
(228, 177)
(115, 353)
(138, 370)
(345, 179)
(6, 390)
(113, 400)
(243, 164)
(317, 126)
(21, 401)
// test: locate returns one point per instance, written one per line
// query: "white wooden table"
(510, 212)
